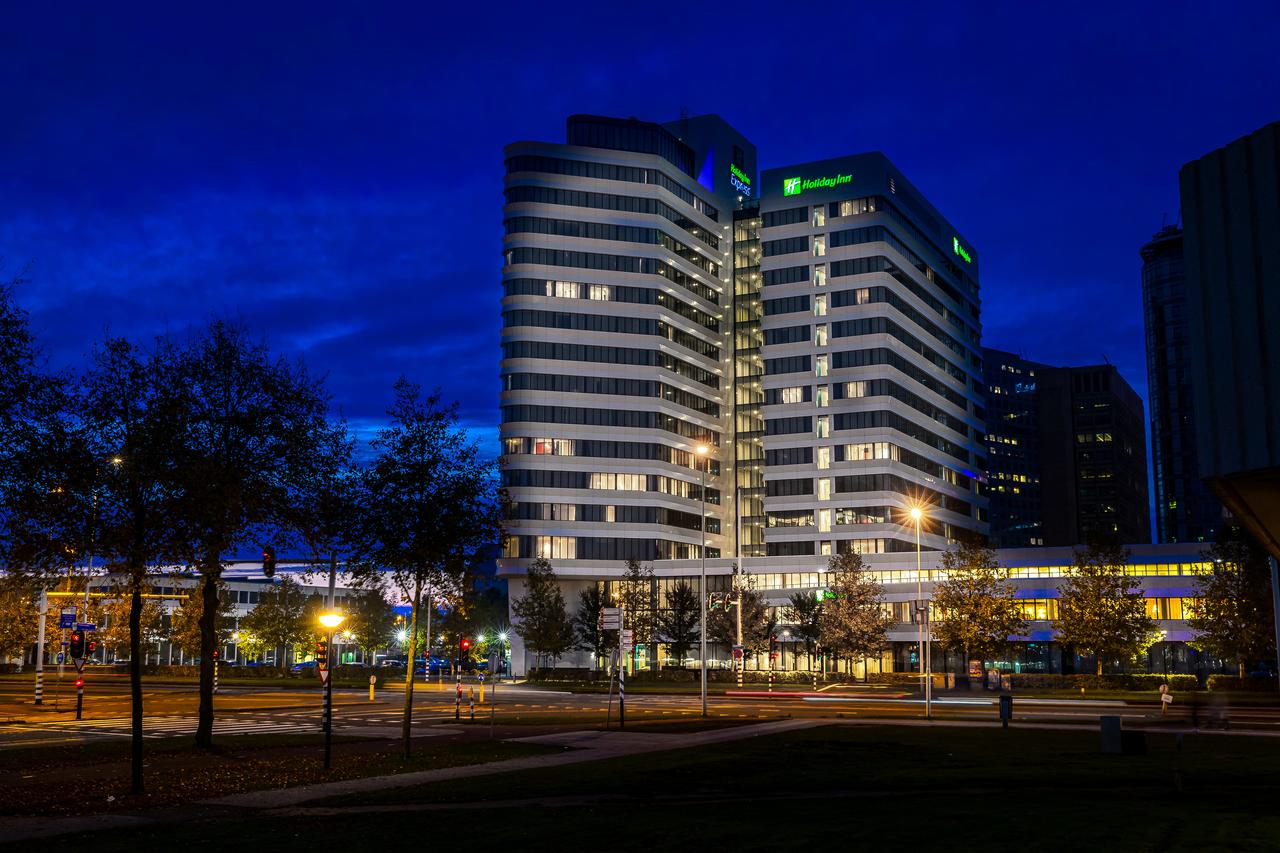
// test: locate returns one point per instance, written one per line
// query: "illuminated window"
(820, 306)
(822, 457)
(822, 396)
(824, 521)
(556, 547)
(820, 365)
(819, 216)
(824, 488)
(598, 291)
(823, 429)
(819, 275)
(856, 389)
(819, 245)
(862, 296)
(820, 335)
(794, 394)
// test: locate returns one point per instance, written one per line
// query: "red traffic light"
(465, 644)
(79, 682)
(215, 654)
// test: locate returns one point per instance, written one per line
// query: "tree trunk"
(208, 642)
(407, 723)
(135, 683)
(1242, 670)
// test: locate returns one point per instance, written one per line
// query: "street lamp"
(330, 620)
(702, 451)
(922, 617)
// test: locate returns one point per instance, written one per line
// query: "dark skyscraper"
(1231, 213)
(1013, 449)
(1067, 451)
(1186, 511)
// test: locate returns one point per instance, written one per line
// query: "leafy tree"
(130, 405)
(431, 504)
(586, 624)
(677, 625)
(1101, 609)
(853, 621)
(251, 428)
(543, 624)
(323, 511)
(184, 622)
(977, 609)
(279, 621)
(804, 612)
(758, 623)
(115, 632)
(636, 597)
(372, 619)
(1234, 618)
(18, 614)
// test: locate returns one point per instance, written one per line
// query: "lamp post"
(702, 450)
(330, 620)
(922, 617)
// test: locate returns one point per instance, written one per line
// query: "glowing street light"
(332, 619)
(922, 615)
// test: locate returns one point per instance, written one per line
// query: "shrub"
(1250, 684)
(1117, 681)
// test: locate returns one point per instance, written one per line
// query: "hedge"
(1117, 681)
(1250, 684)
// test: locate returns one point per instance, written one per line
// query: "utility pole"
(737, 603)
(702, 451)
(44, 609)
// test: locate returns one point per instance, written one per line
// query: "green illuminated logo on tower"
(959, 250)
(795, 186)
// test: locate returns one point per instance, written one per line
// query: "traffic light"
(464, 644)
(90, 647)
(215, 654)
(322, 654)
(268, 560)
(77, 644)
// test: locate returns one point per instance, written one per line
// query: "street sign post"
(67, 619)
(626, 638)
(86, 626)
(611, 618)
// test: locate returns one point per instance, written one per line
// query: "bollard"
(622, 698)
(770, 676)
(1006, 710)
(215, 676)
(481, 677)
(373, 681)
(471, 700)
(815, 681)
(457, 701)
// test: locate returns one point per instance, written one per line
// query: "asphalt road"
(171, 709)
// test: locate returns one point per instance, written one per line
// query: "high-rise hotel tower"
(617, 361)
(814, 329)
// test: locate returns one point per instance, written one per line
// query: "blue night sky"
(333, 174)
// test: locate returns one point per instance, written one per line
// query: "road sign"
(86, 626)
(626, 637)
(737, 652)
(611, 618)
(324, 676)
(67, 619)
(62, 658)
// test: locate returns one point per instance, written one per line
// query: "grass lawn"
(837, 788)
(94, 778)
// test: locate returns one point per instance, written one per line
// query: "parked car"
(303, 666)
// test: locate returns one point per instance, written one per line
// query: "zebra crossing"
(108, 728)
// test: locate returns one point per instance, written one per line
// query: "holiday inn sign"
(795, 186)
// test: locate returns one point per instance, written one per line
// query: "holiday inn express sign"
(795, 186)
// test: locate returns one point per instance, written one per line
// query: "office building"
(1093, 456)
(872, 372)
(1013, 449)
(1231, 227)
(815, 329)
(1067, 454)
(1185, 509)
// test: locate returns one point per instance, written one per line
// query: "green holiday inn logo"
(795, 186)
(959, 250)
